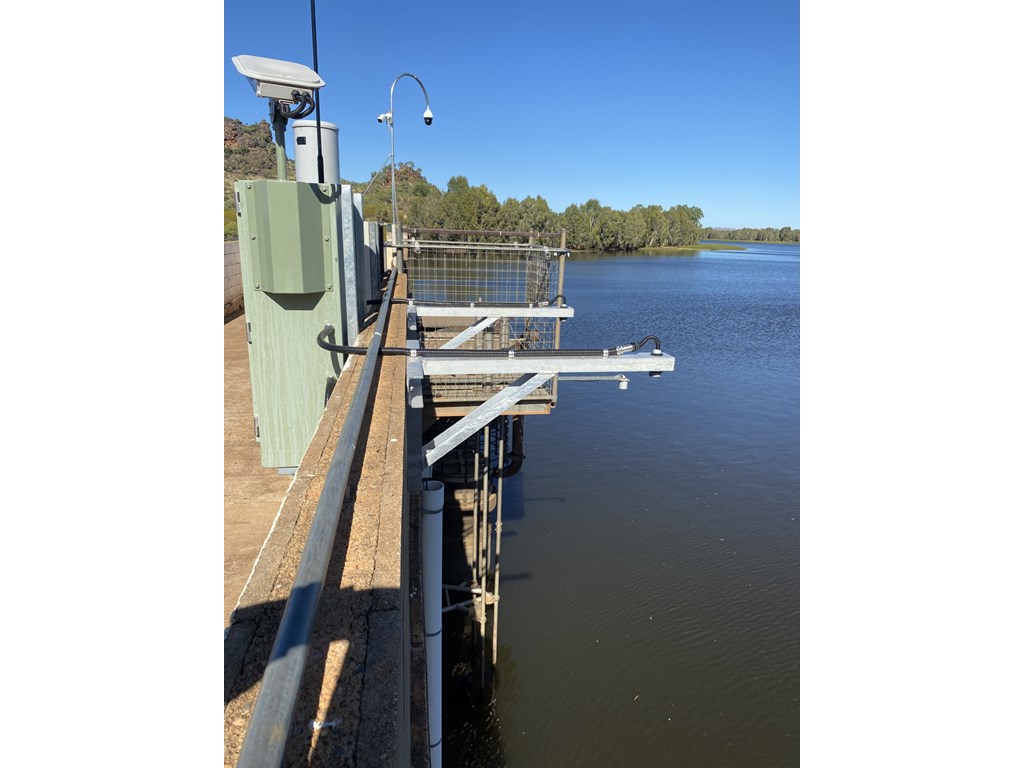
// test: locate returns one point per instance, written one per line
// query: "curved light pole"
(389, 118)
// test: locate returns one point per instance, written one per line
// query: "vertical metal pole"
(433, 515)
(428, 118)
(490, 526)
(497, 542)
(316, 99)
(394, 194)
(482, 615)
(475, 586)
(476, 516)
(400, 251)
(558, 320)
(278, 122)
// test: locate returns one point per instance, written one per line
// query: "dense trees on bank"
(764, 235)
(249, 153)
(590, 226)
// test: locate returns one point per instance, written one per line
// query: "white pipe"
(433, 504)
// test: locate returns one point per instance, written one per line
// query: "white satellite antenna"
(284, 81)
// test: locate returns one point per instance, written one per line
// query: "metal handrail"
(415, 245)
(275, 706)
(485, 232)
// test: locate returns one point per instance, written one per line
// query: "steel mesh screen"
(487, 274)
(479, 272)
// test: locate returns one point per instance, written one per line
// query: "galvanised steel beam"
(631, 363)
(414, 382)
(469, 333)
(482, 415)
(484, 310)
(353, 310)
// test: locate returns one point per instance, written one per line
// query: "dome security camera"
(428, 116)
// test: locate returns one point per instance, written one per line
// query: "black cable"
(645, 339)
(488, 354)
(302, 108)
(517, 454)
(321, 340)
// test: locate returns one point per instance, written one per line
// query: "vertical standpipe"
(305, 151)
(433, 504)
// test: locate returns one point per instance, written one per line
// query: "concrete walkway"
(362, 700)
(252, 493)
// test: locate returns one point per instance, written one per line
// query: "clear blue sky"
(645, 102)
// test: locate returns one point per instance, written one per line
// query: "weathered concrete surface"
(354, 703)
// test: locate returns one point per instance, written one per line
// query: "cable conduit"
(493, 354)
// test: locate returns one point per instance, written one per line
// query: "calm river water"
(650, 559)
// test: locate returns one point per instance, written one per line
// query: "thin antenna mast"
(316, 96)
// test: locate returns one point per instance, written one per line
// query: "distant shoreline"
(698, 247)
(767, 242)
(716, 246)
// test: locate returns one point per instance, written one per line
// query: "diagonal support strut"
(481, 415)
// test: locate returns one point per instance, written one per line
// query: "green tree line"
(763, 235)
(589, 227)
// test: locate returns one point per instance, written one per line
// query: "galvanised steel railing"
(275, 705)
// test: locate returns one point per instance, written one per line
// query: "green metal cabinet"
(298, 244)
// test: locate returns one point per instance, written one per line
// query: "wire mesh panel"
(482, 274)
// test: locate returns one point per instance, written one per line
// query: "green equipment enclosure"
(306, 263)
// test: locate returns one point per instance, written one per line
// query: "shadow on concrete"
(351, 707)
(354, 672)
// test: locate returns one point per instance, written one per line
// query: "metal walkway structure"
(484, 319)
(484, 322)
